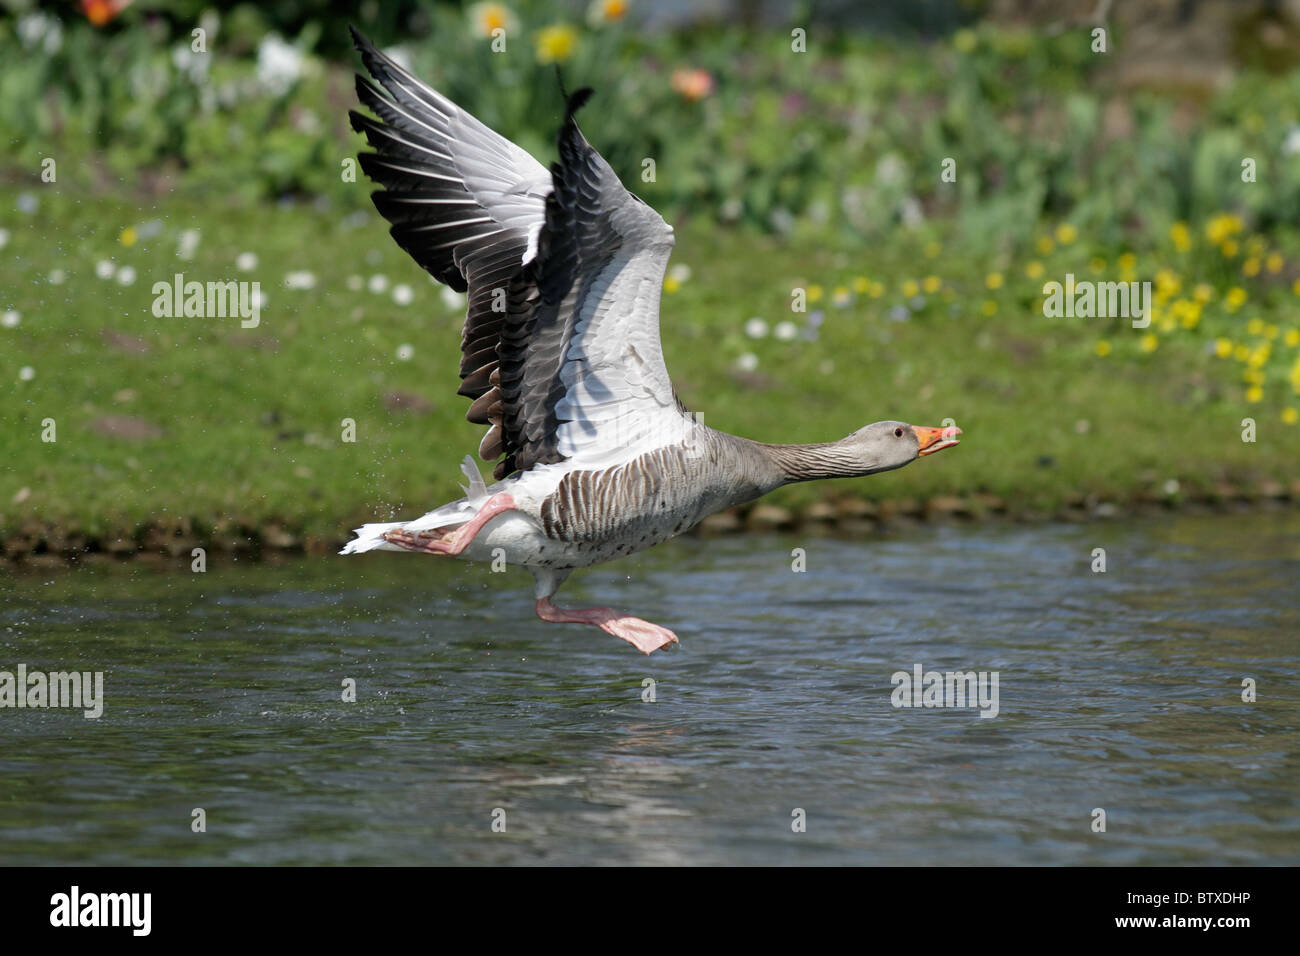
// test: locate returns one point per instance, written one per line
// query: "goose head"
(884, 446)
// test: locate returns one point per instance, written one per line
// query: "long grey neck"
(813, 462)
(768, 467)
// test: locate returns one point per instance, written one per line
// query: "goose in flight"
(595, 456)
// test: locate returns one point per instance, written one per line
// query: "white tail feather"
(370, 537)
(477, 492)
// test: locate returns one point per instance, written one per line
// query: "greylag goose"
(595, 455)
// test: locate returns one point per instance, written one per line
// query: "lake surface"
(1119, 690)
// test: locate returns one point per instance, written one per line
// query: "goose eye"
(898, 433)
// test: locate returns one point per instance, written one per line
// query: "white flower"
(747, 362)
(378, 283)
(302, 279)
(453, 300)
(10, 319)
(756, 328)
(192, 65)
(910, 212)
(1291, 145)
(189, 244)
(786, 330)
(126, 275)
(402, 294)
(680, 272)
(246, 261)
(405, 353)
(890, 170)
(38, 29)
(104, 269)
(279, 64)
(355, 283)
(27, 373)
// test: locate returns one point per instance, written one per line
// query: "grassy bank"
(199, 423)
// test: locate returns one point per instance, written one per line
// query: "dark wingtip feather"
(576, 102)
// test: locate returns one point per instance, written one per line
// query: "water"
(1119, 691)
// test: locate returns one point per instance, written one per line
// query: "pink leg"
(458, 540)
(642, 635)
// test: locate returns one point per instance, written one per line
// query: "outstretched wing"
(564, 270)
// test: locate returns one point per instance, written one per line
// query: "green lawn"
(167, 420)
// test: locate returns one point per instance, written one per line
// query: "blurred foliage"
(852, 134)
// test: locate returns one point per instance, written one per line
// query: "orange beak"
(931, 440)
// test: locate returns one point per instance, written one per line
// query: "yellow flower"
(1259, 356)
(1222, 348)
(910, 288)
(671, 284)
(932, 250)
(1274, 262)
(877, 290)
(989, 307)
(128, 237)
(556, 43)
(606, 11)
(931, 284)
(485, 18)
(1235, 298)
(1255, 326)
(1128, 262)
(993, 280)
(815, 293)
(1229, 248)
(1292, 337)
(1270, 331)
(841, 297)
(1045, 245)
(1181, 236)
(1102, 348)
(1295, 287)
(1167, 283)
(1290, 416)
(1222, 227)
(1034, 269)
(1254, 393)
(1241, 352)
(1250, 267)
(861, 285)
(1148, 343)
(1253, 376)
(1097, 264)
(1066, 233)
(1204, 292)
